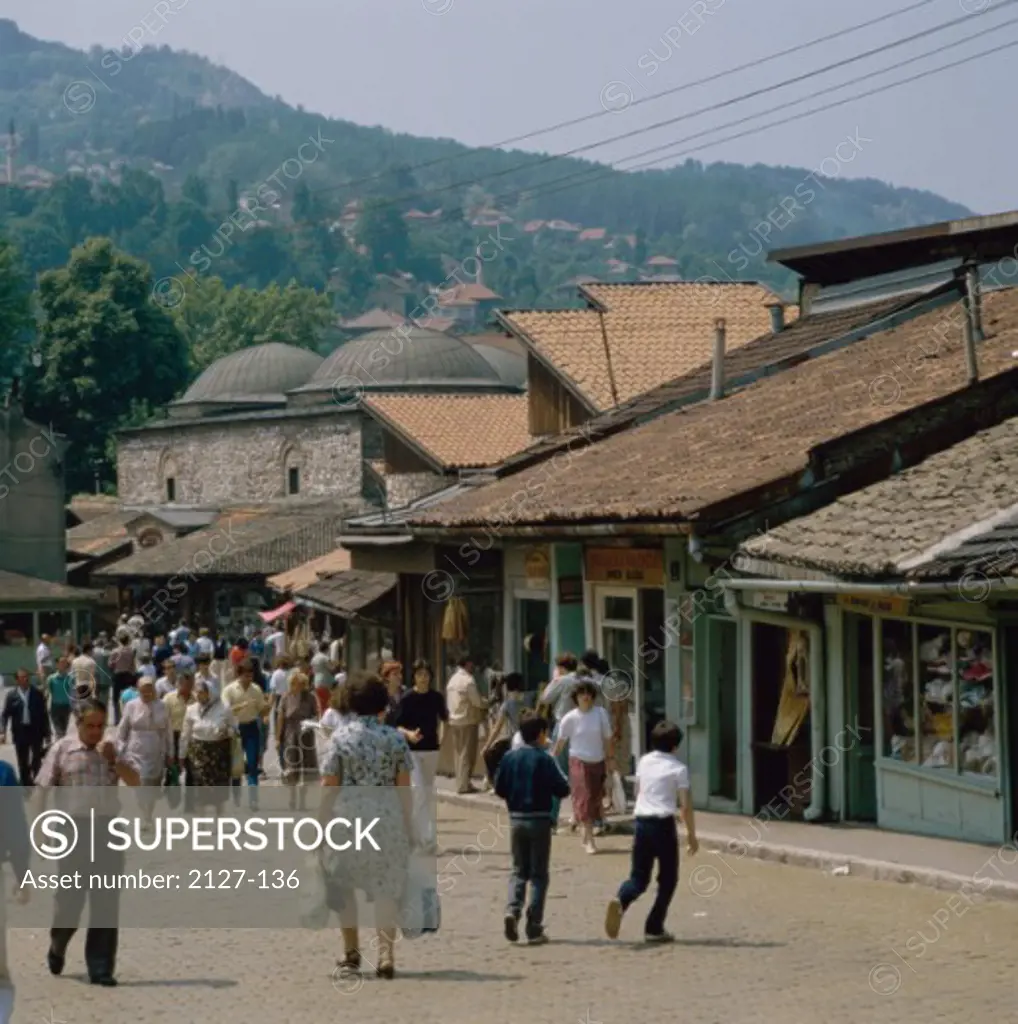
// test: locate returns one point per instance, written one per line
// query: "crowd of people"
(195, 713)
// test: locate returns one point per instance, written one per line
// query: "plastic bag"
(421, 912)
(314, 907)
(615, 798)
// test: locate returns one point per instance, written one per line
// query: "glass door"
(616, 610)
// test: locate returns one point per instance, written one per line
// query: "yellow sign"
(641, 567)
(875, 604)
(537, 566)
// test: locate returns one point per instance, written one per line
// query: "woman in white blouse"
(206, 740)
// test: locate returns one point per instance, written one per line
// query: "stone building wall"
(402, 488)
(223, 463)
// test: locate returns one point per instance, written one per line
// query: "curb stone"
(796, 856)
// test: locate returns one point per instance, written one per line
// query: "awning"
(275, 613)
(347, 594)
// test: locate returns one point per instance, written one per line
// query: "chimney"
(777, 311)
(717, 375)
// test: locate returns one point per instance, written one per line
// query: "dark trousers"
(60, 715)
(29, 755)
(530, 841)
(121, 681)
(493, 757)
(104, 908)
(653, 839)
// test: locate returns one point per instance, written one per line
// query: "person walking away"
(588, 731)
(84, 759)
(662, 783)
(206, 744)
(554, 704)
(44, 661)
(85, 671)
(298, 752)
(60, 689)
(419, 717)
(465, 711)
(15, 848)
(25, 711)
(122, 665)
(505, 725)
(249, 706)
(527, 779)
(365, 757)
(145, 739)
(103, 675)
(321, 670)
(205, 643)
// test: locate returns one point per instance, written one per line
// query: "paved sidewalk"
(866, 852)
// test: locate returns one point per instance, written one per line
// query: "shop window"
(938, 697)
(16, 631)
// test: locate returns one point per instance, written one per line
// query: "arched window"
(293, 466)
(168, 477)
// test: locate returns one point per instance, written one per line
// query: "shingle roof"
(885, 528)
(456, 431)
(680, 465)
(651, 333)
(311, 572)
(255, 542)
(350, 592)
(373, 319)
(99, 536)
(991, 553)
(775, 351)
(16, 589)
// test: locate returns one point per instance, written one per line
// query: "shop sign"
(537, 567)
(875, 604)
(768, 600)
(641, 567)
(570, 590)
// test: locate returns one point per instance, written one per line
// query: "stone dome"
(260, 374)
(413, 358)
(510, 366)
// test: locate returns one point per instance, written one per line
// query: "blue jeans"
(251, 741)
(654, 839)
(530, 841)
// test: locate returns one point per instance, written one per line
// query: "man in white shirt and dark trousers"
(662, 783)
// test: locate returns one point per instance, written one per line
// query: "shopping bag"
(313, 905)
(615, 799)
(421, 912)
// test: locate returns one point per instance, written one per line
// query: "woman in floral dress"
(367, 774)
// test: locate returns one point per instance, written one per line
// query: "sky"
(481, 71)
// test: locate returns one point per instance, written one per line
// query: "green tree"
(106, 349)
(217, 320)
(195, 190)
(383, 231)
(15, 311)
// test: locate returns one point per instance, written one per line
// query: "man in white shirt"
(662, 782)
(85, 671)
(44, 658)
(206, 645)
(167, 683)
(465, 711)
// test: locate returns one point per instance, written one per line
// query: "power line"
(674, 90)
(532, 164)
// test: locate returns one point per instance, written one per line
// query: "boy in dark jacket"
(528, 779)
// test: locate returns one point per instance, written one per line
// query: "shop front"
(527, 625)
(626, 610)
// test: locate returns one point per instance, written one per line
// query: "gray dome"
(261, 373)
(511, 367)
(405, 358)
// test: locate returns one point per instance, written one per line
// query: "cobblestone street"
(757, 942)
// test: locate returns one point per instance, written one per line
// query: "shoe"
(350, 964)
(537, 938)
(386, 969)
(511, 927)
(55, 962)
(659, 937)
(613, 918)
(589, 848)
(106, 980)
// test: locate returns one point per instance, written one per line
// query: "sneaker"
(659, 937)
(537, 938)
(511, 927)
(613, 918)
(589, 848)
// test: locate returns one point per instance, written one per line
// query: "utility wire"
(674, 90)
(805, 76)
